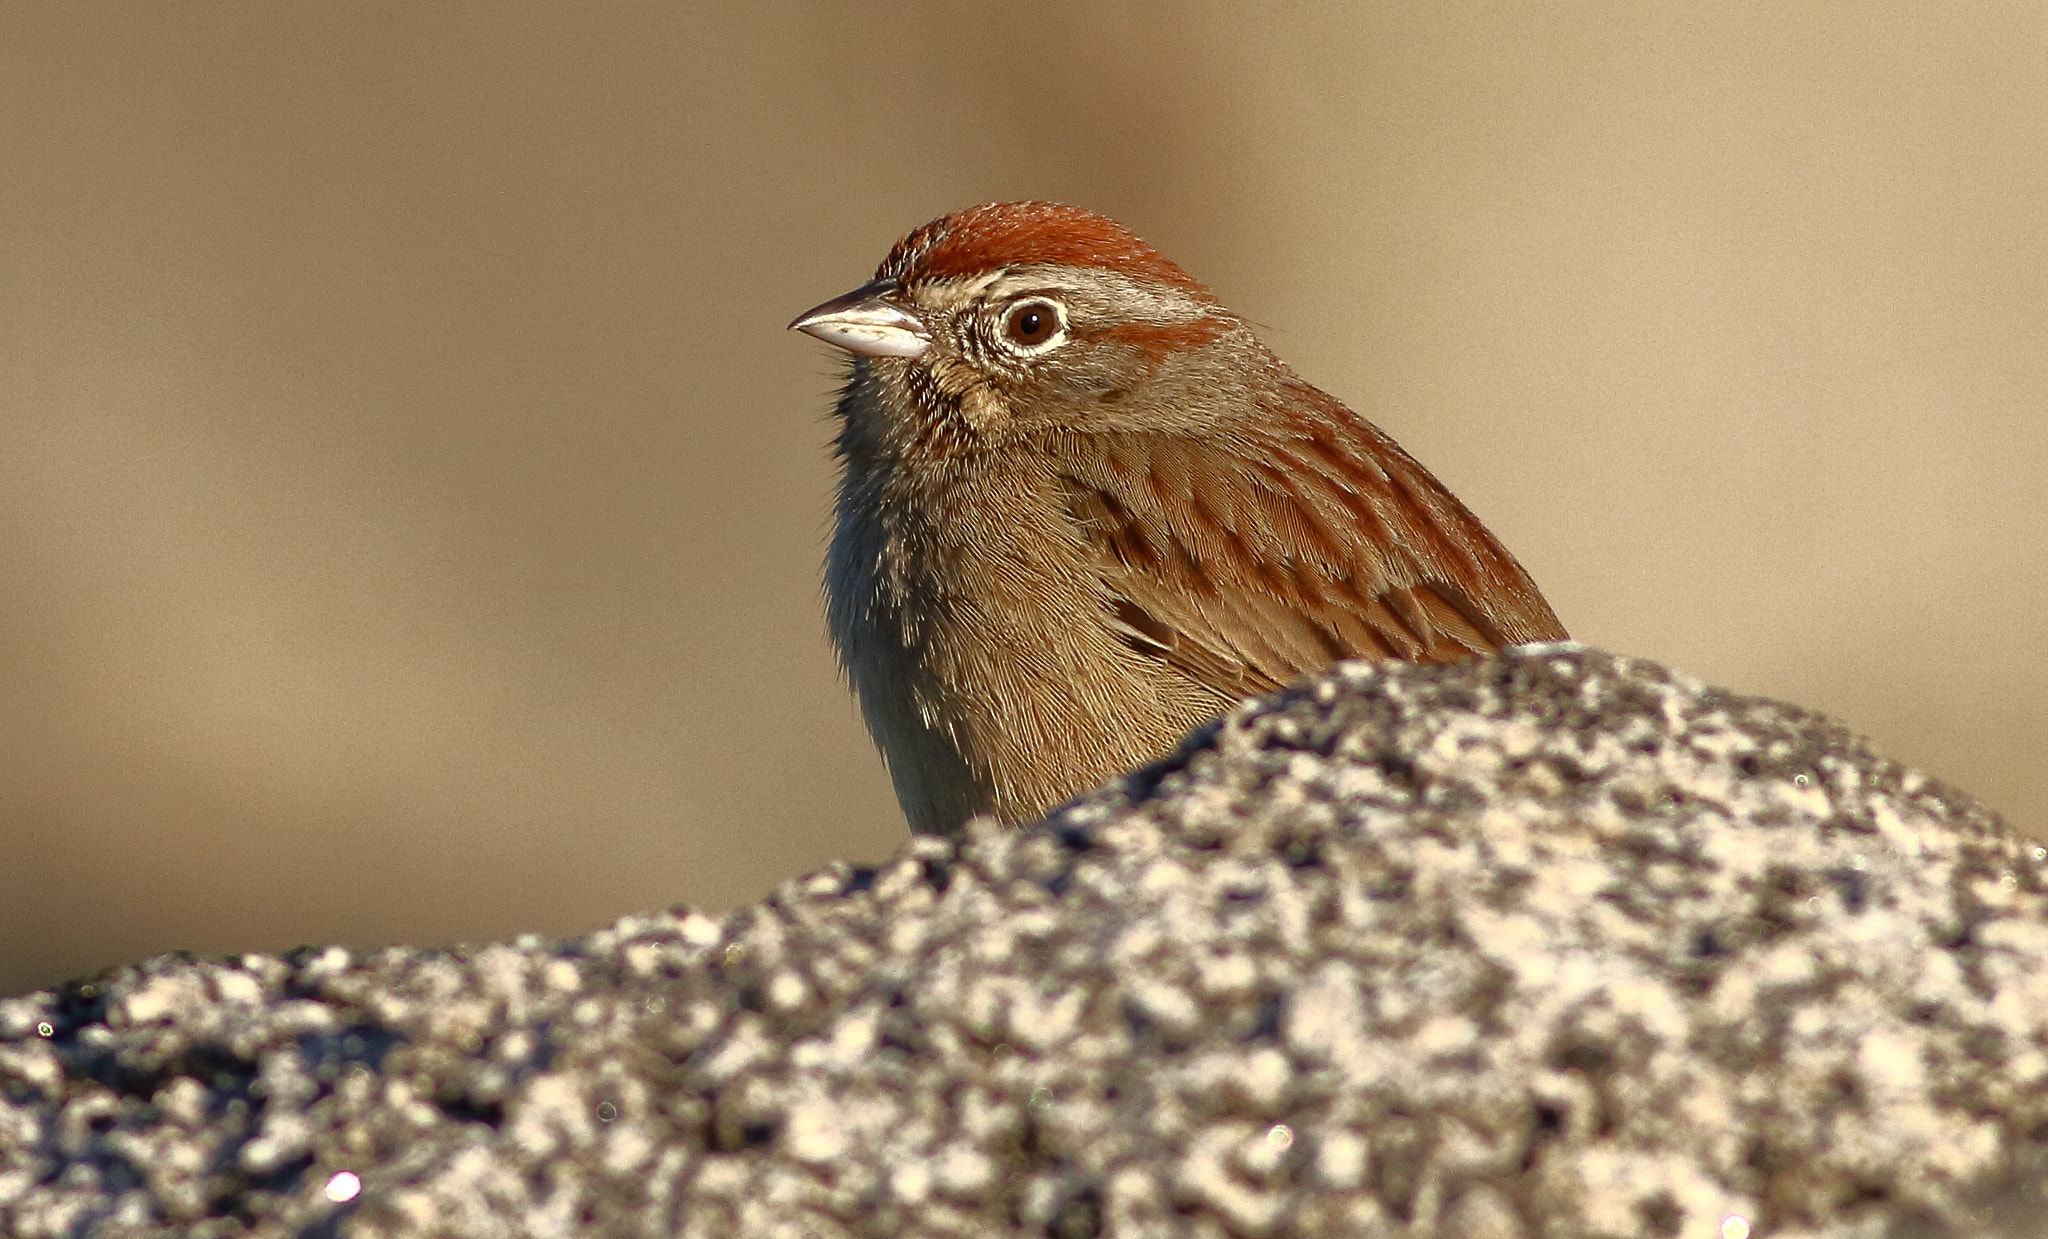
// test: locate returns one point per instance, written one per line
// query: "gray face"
(1049, 347)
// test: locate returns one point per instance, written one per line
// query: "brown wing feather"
(1247, 561)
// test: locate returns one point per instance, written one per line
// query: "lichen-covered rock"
(1552, 944)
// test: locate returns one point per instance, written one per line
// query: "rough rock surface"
(1555, 944)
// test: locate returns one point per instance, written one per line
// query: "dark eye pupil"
(1032, 324)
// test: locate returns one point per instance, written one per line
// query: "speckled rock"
(1554, 944)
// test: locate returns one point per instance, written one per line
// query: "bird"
(1082, 510)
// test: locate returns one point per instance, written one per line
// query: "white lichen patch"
(1552, 944)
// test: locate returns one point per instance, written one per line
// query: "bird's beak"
(865, 321)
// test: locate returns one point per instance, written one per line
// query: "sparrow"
(1082, 510)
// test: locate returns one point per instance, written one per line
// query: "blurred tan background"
(411, 506)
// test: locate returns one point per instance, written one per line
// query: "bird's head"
(1017, 317)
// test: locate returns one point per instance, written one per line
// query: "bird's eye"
(1030, 324)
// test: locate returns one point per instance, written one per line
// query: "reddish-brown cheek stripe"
(1159, 340)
